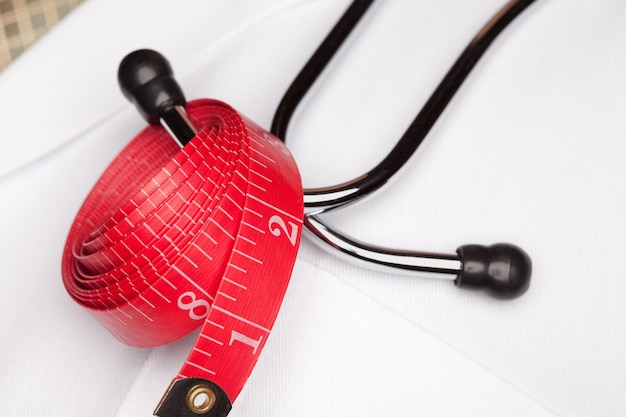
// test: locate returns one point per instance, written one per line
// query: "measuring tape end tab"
(192, 397)
(503, 269)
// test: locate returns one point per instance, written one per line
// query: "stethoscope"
(146, 79)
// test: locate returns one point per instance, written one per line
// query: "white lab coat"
(530, 151)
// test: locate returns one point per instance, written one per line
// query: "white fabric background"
(530, 151)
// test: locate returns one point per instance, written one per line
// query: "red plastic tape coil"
(170, 239)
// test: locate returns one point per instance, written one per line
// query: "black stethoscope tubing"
(320, 200)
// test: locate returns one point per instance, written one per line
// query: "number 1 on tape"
(170, 239)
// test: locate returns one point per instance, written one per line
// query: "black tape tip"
(147, 80)
(193, 397)
(503, 269)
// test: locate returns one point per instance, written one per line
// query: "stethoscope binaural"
(503, 269)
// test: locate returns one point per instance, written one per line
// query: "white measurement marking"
(171, 242)
(97, 259)
(250, 241)
(172, 209)
(209, 237)
(174, 183)
(213, 168)
(256, 140)
(200, 367)
(124, 313)
(209, 179)
(148, 200)
(254, 184)
(145, 258)
(250, 182)
(297, 219)
(263, 155)
(238, 268)
(198, 205)
(127, 220)
(259, 215)
(167, 281)
(207, 195)
(251, 323)
(117, 318)
(146, 301)
(159, 218)
(133, 234)
(221, 228)
(256, 161)
(260, 175)
(212, 323)
(127, 247)
(237, 188)
(229, 198)
(235, 282)
(163, 195)
(135, 308)
(188, 259)
(227, 296)
(180, 230)
(211, 339)
(202, 352)
(166, 172)
(220, 208)
(180, 196)
(191, 220)
(161, 295)
(192, 282)
(260, 262)
(253, 227)
(195, 245)
(194, 190)
(152, 232)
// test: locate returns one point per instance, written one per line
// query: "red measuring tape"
(170, 239)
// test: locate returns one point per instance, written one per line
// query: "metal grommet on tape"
(201, 399)
(193, 397)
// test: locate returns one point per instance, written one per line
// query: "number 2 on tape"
(276, 224)
(169, 239)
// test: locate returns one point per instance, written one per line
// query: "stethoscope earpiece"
(147, 80)
(503, 269)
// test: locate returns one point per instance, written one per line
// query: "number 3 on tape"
(170, 239)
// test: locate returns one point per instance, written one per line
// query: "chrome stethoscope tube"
(503, 269)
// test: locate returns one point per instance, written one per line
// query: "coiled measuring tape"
(171, 239)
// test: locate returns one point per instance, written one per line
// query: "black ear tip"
(147, 80)
(139, 68)
(503, 269)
